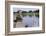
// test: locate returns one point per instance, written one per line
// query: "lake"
(31, 21)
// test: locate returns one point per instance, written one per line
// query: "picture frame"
(9, 19)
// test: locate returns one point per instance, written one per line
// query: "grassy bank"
(30, 14)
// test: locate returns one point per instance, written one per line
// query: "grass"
(30, 14)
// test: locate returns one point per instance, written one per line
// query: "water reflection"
(26, 19)
(31, 21)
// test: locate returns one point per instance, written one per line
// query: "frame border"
(7, 18)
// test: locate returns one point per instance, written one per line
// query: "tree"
(36, 11)
(14, 12)
(18, 11)
(30, 11)
(24, 11)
